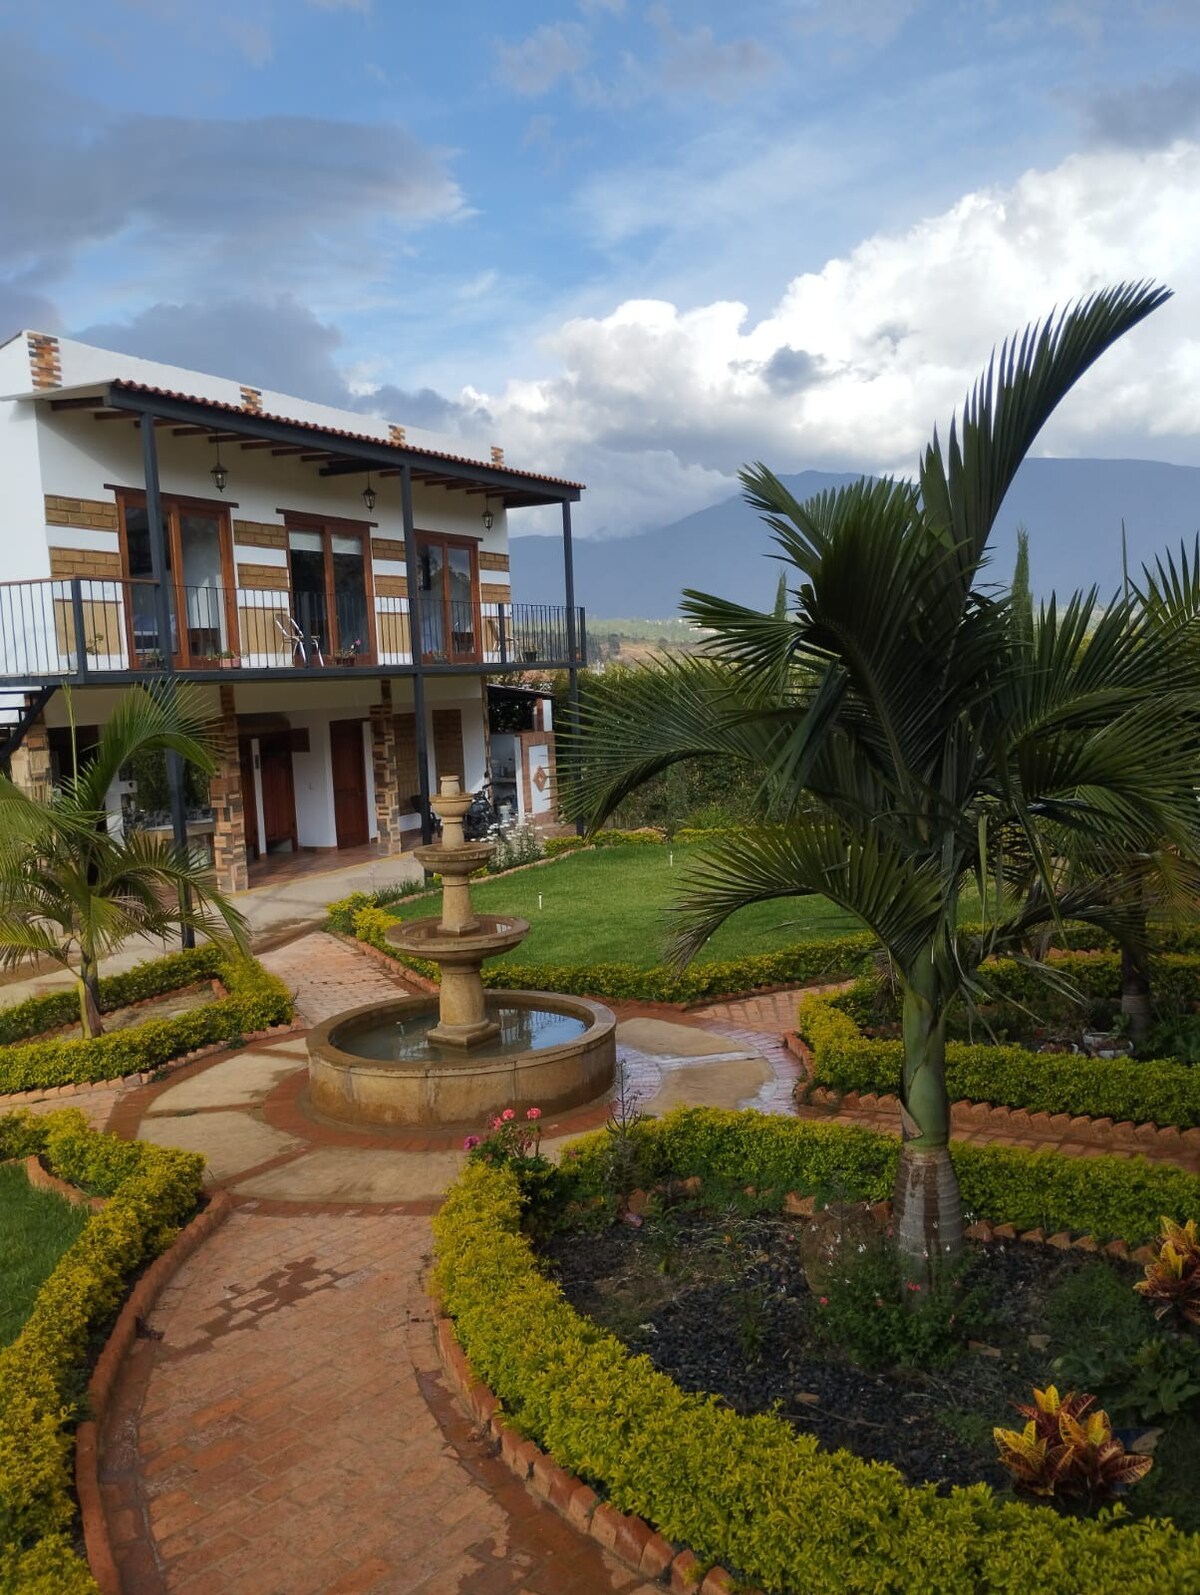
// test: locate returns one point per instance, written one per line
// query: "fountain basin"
(380, 1065)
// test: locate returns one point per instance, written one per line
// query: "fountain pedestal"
(487, 1050)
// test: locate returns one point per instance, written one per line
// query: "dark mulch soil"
(733, 1317)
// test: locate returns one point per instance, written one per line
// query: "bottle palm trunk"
(927, 1206)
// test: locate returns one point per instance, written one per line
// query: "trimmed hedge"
(256, 1001)
(36, 1015)
(749, 1491)
(1150, 1091)
(833, 958)
(151, 1191)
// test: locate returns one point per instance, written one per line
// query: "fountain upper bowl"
(488, 936)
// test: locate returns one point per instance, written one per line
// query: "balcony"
(80, 629)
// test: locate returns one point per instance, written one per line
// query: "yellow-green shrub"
(750, 1492)
(1145, 1091)
(151, 1192)
(256, 1001)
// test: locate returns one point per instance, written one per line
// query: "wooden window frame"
(451, 540)
(172, 504)
(331, 526)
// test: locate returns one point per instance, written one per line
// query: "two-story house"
(336, 585)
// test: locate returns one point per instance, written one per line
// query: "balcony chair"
(304, 647)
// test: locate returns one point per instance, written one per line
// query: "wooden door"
(278, 792)
(349, 782)
(249, 805)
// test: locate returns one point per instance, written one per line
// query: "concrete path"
(284, 1428)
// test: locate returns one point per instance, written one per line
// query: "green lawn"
(36, 1228)
(612, 905)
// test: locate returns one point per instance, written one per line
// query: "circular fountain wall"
(378, 1066)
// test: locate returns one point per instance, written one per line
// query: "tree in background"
(913, 736)
(72, 892)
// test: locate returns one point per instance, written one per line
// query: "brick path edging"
(627, 1537)
(41, 1179)
(139, 1305)
(1166, 1144)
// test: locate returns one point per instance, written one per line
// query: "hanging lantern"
(218, 473)
(369, 496)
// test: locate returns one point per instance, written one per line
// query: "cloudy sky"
(635, 242)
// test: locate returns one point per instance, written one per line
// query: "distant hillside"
(1073, 510)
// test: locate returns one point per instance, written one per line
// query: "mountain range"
(1072, 509)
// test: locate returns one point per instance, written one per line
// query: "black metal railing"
(80, 627)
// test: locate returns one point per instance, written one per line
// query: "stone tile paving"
(290, 1433)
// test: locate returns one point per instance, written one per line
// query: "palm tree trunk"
(89, 997)
(1135, 981)
(927, 1207)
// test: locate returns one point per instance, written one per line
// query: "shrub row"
(151, 1191)
(1151, 1091)
(256, 1001)
(833, 958)
(749, 1491)
(648, 836)
(36, 1015)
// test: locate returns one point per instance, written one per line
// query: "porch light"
(218, 473)
(369, 495)
(489, 520)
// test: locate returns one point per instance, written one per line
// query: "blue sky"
(638, 242)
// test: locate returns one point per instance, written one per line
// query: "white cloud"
(858, 360)
(698, 62)
(534, 65)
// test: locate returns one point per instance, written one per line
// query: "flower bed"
(1147, 1091)
(749, 1491)
(256, 1001)
(151, 1192)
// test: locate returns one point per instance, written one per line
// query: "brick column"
(386, 770)
(229, 819)
(30, 764)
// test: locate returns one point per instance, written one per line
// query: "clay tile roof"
(401, 449)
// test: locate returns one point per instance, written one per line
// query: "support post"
(81, 654)
(162, 602)
(412, 569)
(572, 661)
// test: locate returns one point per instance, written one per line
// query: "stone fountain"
(455, 1058)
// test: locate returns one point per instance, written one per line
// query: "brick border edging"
(74, 1088)
(625, 1536)
(1167, 1143)
(140, 1302)
(41, 1179)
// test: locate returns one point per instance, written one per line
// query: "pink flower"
(493, 1124)
(509, 1113)
(471, 1142)
(534, 1113)
(822, 1301)
(912, 1285)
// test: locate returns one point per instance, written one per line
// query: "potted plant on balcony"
(347, 656)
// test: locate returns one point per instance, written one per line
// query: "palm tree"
(914, 737)
(70, 890)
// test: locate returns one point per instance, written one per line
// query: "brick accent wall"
(387, 548)
(225, 790)
(448, 742)
(45, 361)
(497, 454)
(30, 764)
(252, 399)
(489, 561)
(391, 586)
(383, 761)
(93, 563)
(264, 578)
(259, 534)
(396, 433)
(91, 514)
(494, 593)
(407, 771)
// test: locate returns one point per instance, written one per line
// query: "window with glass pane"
(461, 600)
(143, 598)
(309, 598)
(350, 594)
(433, 599)
(203, 592)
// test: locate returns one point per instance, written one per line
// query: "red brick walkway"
(290, 1433)
(326, 976)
